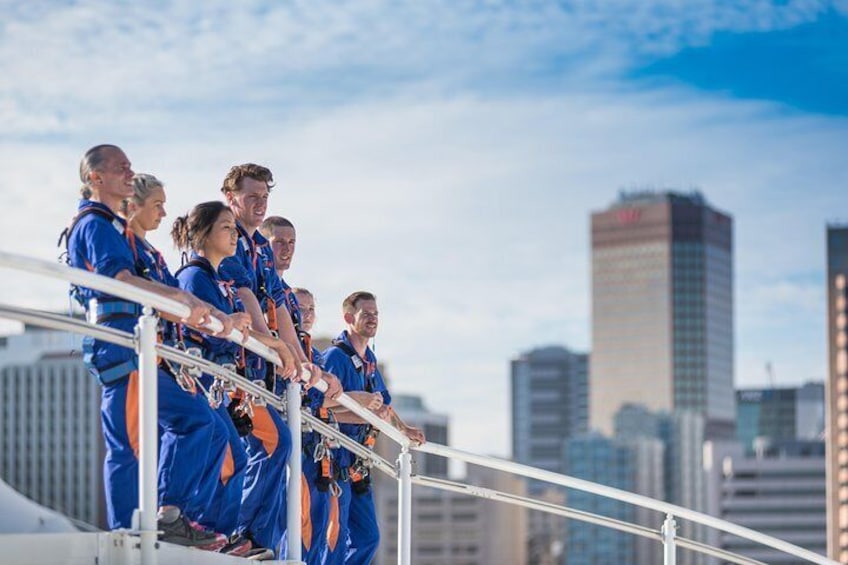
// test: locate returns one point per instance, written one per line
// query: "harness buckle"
(216, 394)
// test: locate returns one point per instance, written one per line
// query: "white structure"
(780, 492)
(23, 516)
(50, 437)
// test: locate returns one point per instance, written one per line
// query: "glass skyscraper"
(662, 309)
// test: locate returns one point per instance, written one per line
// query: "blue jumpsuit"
(99, 242)
(357, 517)
(316, 503)
(269, 444)
(221, 509)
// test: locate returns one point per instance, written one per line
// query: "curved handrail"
(623, 496)
(163, 304)
(135, 294)
(588, 517)
(126, 339)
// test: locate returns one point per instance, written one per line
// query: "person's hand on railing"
(240, 321)
(415, 435)
(334, 385)
(310, 374)
(376, 402)
(290, 368)
(200, 314)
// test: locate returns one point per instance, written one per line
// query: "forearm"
(361, 397)
(252, 307)
(285, 327)
(163, 290)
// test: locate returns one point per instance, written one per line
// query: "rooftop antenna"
(770, 374)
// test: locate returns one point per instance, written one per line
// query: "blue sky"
(447, 155)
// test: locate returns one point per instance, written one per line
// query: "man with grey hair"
(98, 242)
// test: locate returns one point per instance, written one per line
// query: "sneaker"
(238, 546)
(243, 545)
(260, 554)
(222, 539)
(183, 532)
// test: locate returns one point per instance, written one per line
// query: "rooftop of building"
(655, 194)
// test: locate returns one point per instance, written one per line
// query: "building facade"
(780, 413)
(609, 462)
(550, 401)
(51, 444)
(836, 392)
(662, 309)
(780, 491)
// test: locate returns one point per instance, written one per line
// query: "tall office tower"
(550, 402)
(836, 404)
(662, 308)
(450, 528)
(780, 413)
(780, 492)
(52, 446)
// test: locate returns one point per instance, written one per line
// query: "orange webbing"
(333, 523)
(131, 411)
(305, 516)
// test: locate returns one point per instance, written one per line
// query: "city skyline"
(462, 148)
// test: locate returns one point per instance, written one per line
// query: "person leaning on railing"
(98, 240)
(355, 364)
(209, 233)
(144, 212)
(246, 189)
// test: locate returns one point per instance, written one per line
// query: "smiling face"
(363, 319)
(250, 203)
(113, 180)
(283, 239)
(148, 215)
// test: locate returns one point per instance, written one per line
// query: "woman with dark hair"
(209, 233)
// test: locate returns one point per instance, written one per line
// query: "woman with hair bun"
(209, 233)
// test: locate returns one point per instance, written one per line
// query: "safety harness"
(105, 308)
(241, 406)
(359, 472)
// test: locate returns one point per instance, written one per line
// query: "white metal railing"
(144, 342)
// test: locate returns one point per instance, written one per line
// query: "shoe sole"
(264, 555)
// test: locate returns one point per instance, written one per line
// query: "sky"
(447, 155)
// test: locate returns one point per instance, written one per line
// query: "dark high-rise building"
(550, 402)
(785, 413)
(836, 393)
(662, 309)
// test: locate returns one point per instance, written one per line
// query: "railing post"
(293, 509)
(669, 533)
(148, 496)
(404, 556)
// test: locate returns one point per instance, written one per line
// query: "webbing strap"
(117, 372)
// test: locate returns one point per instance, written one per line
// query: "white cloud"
(465, 210)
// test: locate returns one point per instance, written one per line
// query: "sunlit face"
(282, 243)
(223, 237)
(149, 214)
(250, 203)
(307, 310)
(363, 320)
(114, 178)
